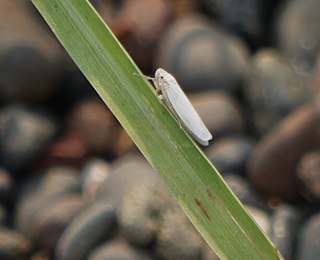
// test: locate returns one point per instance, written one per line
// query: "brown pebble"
(273, 164)
(92, 120)
(6, 185)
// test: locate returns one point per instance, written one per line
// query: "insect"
(174, 98)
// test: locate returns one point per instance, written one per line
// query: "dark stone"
(24, 135)
(247, 18)
(31, 60)
(91, 226)
(6, 186)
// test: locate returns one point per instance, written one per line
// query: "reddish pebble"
(273, 164)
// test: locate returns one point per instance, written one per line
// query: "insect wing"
(186, 113)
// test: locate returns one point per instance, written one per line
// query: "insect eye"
(161, 77)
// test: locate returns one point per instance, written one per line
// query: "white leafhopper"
(174, 98)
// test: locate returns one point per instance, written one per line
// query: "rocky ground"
(72, 183)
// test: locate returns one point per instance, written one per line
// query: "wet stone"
(221, 114)
(274, 90)
(118, 250)
(231, 154)
(308, 174)
(273, 163)
(13, 245)
(24, 134)
(308, 244)
(202, 57)
(89, 228)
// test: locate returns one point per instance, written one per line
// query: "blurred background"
(72, 183)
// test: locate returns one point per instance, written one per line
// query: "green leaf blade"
(191, 178)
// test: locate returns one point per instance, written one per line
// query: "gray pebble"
(244, 190)
(24, 134)
(308, 243)
(246, 18)
(37, 196)
(177, 238)
(274, 90)
(285, 222)
(118, 250)
(202, 56)
(221, 114)
(308, 176)
(126, 172)
(298, 33)
(231, 154)
(31, 60)
(141, 211)
(89, 228)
